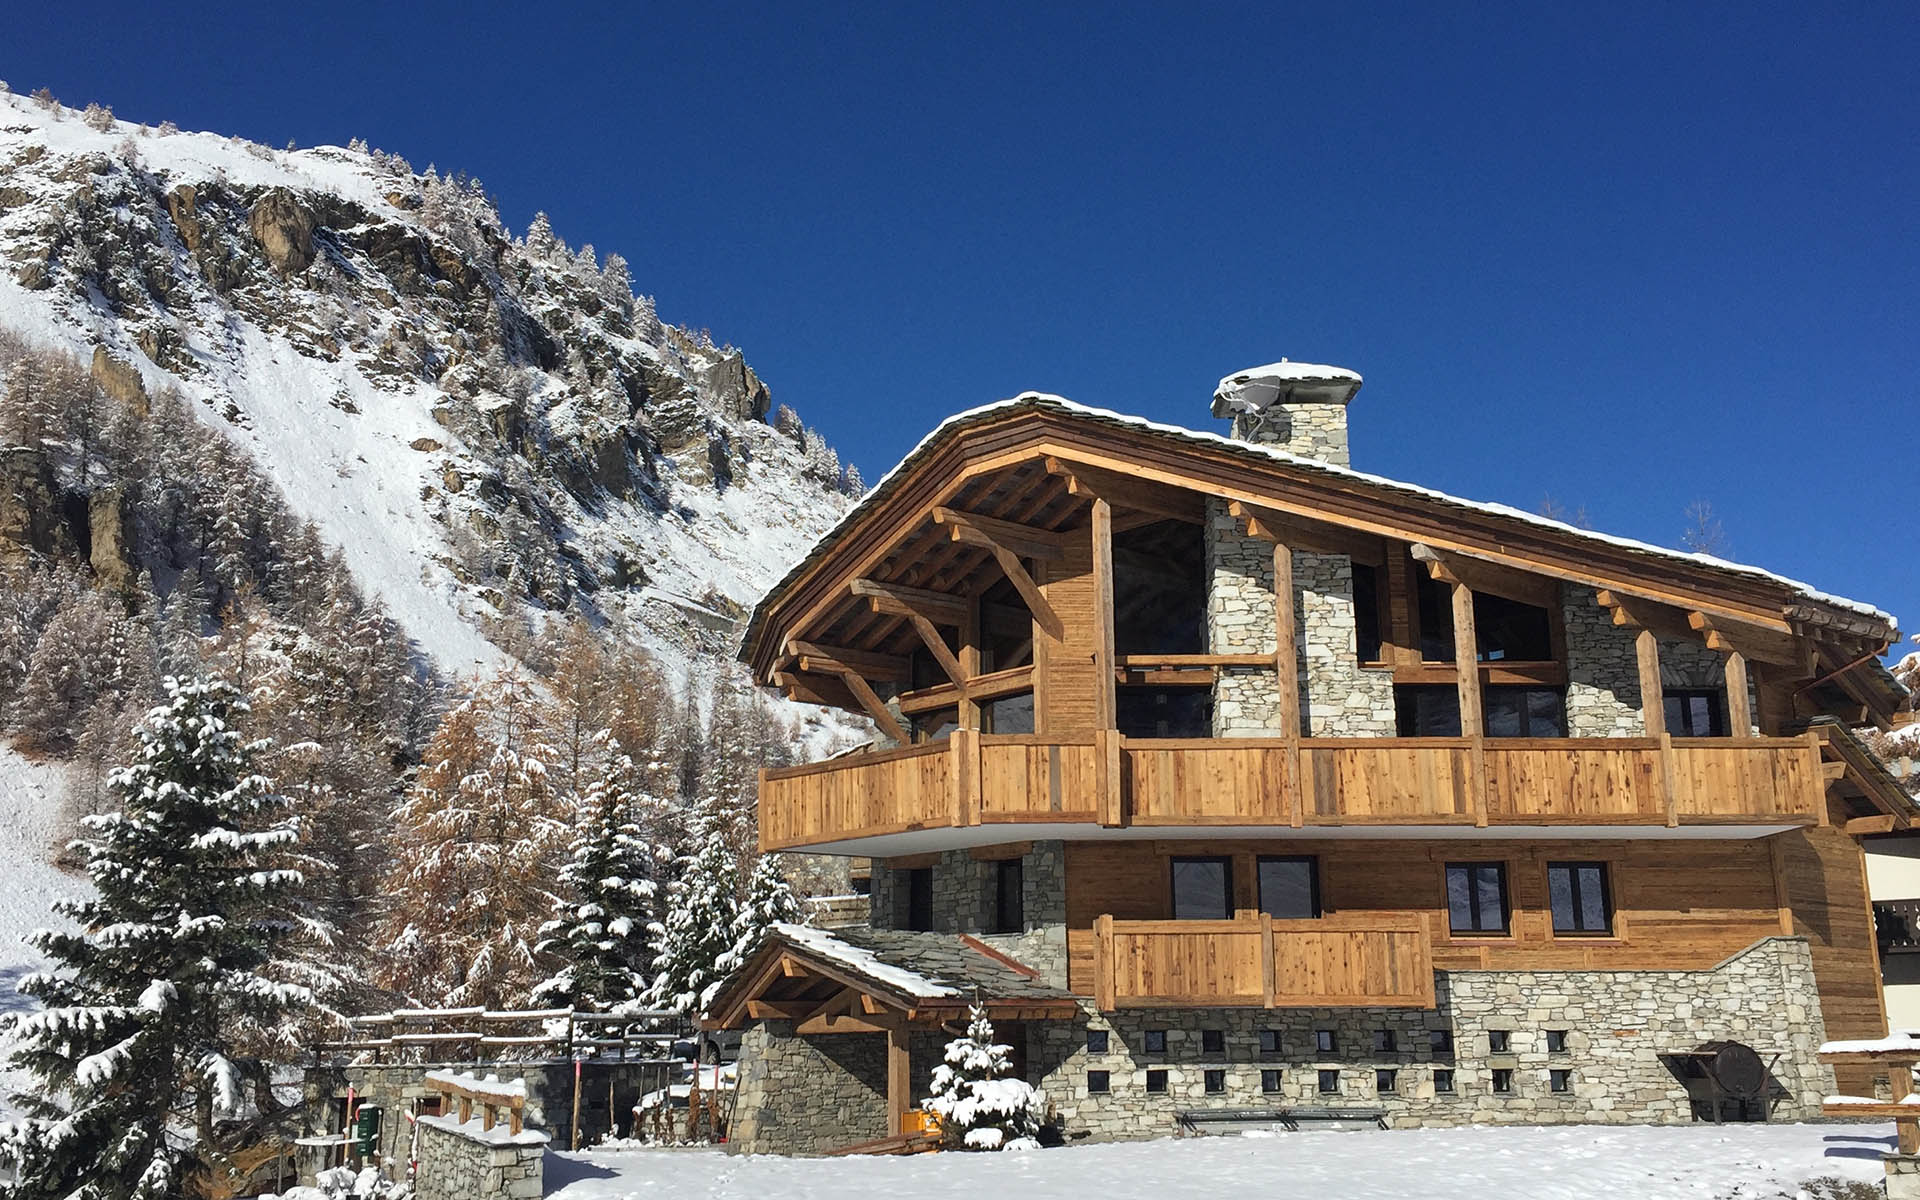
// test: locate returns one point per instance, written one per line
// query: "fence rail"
(1336, 961)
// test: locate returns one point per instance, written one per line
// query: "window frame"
(1500, 1082)
(1148, 1037)
(1009, 909)
(1386, 1081)
(1717, 710)
(1099, 1082)
(1560, 1080)
(1605, 868)
(917, 909)
(1313, 883)
(1099, 1041)
(1213, 1041)
(1173, 891)
(1443, 1084)
(1157, 1081)
(1213, 1081)
(1326, 1041)
(1505, 931)
(1272, 1081)
(1323, 1079)
(1272, 1041)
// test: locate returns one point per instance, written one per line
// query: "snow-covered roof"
(1891, 1044)
(861, 960)
(1253, 389)
(1257, 451)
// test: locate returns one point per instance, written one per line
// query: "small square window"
(1215, 1080)
(1385, 1082)
(1325, 1042)
(1560, 1080)
(1440, 1041)
(1499, 1041)
(1269, 1081)
(1097, 1082)
(1383, 1041)
(1156, 1041)
(1556, 1041)
(1329, 1082)
(1156, 1082)
(1096, 1041)
(1270, 1041)
(1443, 1081)
(1502, 1081)
(1213, 1041)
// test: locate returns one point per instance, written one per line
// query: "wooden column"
(970, 663)
(899, 1078)
(1653, 707)
(1466, 675)
(1286, 675)
(1105, 702)
(1103, 965)
(1739, 699)
(963, 746)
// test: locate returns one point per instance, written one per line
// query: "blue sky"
(1630, 257)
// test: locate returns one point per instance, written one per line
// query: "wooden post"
(573, 1141)
(1268, 976)
(1666, 779)
(970, 664)
(1110, 801)
(1103, 964)
(963, 745)
(1739, 700)
(899, 1077)
(1105, 702)
(1466, 676)
(1653, 705)
(1286, 676)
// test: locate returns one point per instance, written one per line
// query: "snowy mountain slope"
(489, 430)
(31, 799)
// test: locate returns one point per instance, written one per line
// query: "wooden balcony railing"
(1331, 962)
(975, 779)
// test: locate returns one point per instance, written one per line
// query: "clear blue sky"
(1628, 256)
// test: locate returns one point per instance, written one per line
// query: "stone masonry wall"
(963, 895)
(1603, 672)
(1617, 1023)
(1338, 698)
(1309, 430)
(458, 1162)
(803, 1095)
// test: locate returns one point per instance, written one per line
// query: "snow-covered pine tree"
(770, 901)
(980, 1108)
(145, 1057)
(606, 907)
(702, 908)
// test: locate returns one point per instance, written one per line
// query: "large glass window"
(1008, 714)
(1366, 612)
(934, 725)
(1202, 889)
(1477, 897)
(1523, 712)
(1009, 899)
(1006, 629)
(1695, 712)
(913, 898)
(1581, 900)
(1165, 712)
(1507, 630)
(1160, 589)
(1290, 888)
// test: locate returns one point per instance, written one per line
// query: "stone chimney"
(1299, 407)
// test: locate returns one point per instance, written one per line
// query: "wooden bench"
(1899, 1061)
(1289, 1119)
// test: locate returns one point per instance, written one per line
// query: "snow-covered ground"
(1696, 1162)
(31, 796)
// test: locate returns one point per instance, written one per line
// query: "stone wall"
(963, 896)
(462, 1162)
(803, 1095)
(1618, 1024)
(1339, 698)
(1309, 430)
(1603, 671)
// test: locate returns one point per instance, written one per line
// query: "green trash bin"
(366, 1131)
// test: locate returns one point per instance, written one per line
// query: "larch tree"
(145, 1058)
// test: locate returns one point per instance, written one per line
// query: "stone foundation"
(1903, 1176)
(462, 1162)
(810, 1094)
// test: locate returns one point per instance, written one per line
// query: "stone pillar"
(1903, 1176)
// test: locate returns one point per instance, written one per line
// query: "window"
(1329, 1082)
(1164, 712)
(1156, 1082)
(1440, 1041)
(1560, 1080)
(1507, 630)
(1098, 1083)
(933, 726)
(1580, 898)
(1202, 889)
(1270, 1041)
(1270, 1081)
(914, 895)
(1096, 1041)
(1502, 1081)
(1213, 1041)
(1160, 589)
(1325, 1042)
(1443, 1081)
(1477, 897)
(1695, 712)
(1426, 710)
(1524, 712)
(1154, 1041)
(1366, 612)
(1385, 1082)
(1009, 714)
(1006, 628)
(1499, 1041)
(1556, 1041)
(1215, 1080)
(1009, 901)
(1290, 888)
(1383, 1041)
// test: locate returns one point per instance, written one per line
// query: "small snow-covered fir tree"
(700, 927)
(980, 1108)
(770, 901)
(145, 1058)
(606, 905)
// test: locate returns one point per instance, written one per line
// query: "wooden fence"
(1335, 961)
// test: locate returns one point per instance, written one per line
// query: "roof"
(1804, 594)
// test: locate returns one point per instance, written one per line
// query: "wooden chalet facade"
(1181, 723)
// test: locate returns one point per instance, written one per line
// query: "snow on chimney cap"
(1284, 382)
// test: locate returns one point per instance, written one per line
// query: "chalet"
(1241, 783)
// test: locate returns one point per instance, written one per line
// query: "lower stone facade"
(456, 1164)
(963, 898)
(810, 1094)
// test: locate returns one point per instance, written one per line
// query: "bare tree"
(1704, 534)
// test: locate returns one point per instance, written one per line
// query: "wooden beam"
(840, 660)
(1632, 612)
(1473, 727)
(1286, 652)
(1541, 591)
(875, 707)
(1028, 541)
(1126, 492)
(816, 689)
(1653, 703)
(1309, 536)
(1752, 641)
(1865, 825)
(899, 1079)
(942, 608)
(1105, 703)
(1739, 699)
(785, 1010)
(931, 639)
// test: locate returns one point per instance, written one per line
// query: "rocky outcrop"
(736, 390)
(284, 229)
(186, 222)
(29, 514)
(120, 380)
(110, 549)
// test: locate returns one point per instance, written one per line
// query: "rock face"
(120, 381)
(110, 548)
(737, 391)
(284, 229)
(29, 516)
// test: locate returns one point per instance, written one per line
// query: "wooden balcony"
(1258, 962)
(975, 780)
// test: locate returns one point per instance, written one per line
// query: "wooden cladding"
(975, 779)
(1345, 961)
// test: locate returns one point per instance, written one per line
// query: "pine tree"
(770, 901)
(146, 1054)
(980, 1108)
(702, 913)
(600, 931)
